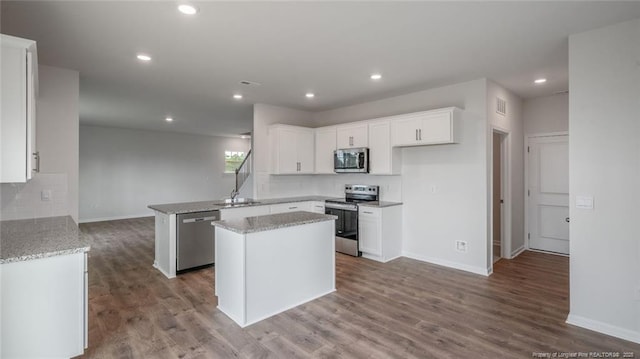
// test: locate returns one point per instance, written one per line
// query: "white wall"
(432, 222)
(57, 141)
(546, 114)
(512, 125)
(604, 155)
(122, 170)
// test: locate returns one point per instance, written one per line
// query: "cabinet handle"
(36, 155)
(293, 207)
(416, 134)
(420, 134)
(367, 212)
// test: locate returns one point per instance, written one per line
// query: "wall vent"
(501, 106)
(249, 83)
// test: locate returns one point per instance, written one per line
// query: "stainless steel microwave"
(351, 160)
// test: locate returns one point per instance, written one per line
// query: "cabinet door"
(325, 146)
(380, 148)
(243, 212)
(405, 132)
(305, 150)
(13, 127)
(436, 128)
(287, 154)
(352, 136)
(317, 207)
(370, 239)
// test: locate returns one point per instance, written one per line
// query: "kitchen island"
(268, 264)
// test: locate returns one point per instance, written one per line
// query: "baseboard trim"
(608, 329)
(517, 252)
(449, 264)
(115, 218)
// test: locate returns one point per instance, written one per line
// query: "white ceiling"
(329, 48)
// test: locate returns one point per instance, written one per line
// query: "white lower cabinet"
(243, 212)
(290, 207)
(380, 232)
(317, 207)
(44, 307)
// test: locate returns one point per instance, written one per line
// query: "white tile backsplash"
(23, 200)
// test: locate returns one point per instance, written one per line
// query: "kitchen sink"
(238, 202)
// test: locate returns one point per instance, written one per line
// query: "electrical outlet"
(461, 246)
(45, 195)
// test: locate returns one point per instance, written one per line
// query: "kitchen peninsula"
(268, 264)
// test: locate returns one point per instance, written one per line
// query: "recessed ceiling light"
(310, 95)
(237, 96)
(188, 9)
(143, 57)
(540, 81)
(376, 76)
(169, 119)
(244, 137)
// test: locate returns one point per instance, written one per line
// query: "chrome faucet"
(234, 195)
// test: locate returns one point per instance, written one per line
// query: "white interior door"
(548, 209)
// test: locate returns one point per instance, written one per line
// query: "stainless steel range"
(347, 212)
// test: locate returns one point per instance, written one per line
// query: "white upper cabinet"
(17, 124)
(292, 149)
(353, 135)
(426, 128)
(325, 146)
(383, 159)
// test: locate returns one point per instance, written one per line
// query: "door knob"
(566, 219)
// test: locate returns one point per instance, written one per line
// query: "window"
(233, 160)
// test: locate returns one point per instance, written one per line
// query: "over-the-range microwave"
(351, 160)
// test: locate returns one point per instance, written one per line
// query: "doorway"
(547, 193)
(498, 184)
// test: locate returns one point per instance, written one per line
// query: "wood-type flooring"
(401, 309)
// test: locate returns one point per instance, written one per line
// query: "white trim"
(467, 268)
(156, 266)
(546, 134)
(548, 252)
(517, 252)
(601, 327)
(115, 218)
(505, 171)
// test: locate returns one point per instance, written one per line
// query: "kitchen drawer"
(364, 211)
(290, 207)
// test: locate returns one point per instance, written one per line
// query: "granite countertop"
(212, 205)
(272, 221)
(27, 239)
(380, 204)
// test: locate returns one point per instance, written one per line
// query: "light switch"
(584, 202)
(45, 195)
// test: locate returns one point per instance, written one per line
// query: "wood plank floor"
(401, 309)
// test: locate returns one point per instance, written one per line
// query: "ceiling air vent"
(249, 83)
(501, 106)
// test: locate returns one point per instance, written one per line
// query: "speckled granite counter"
(212, 205)
(272, 221)
(23, 240)
(380, 204)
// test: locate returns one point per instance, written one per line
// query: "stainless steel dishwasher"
(195, 239)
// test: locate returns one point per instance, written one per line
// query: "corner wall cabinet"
(292, 149)
(324, 149)
(378, 230)
(17, 124)
(352, 135)
(383, 159)
(426, 128)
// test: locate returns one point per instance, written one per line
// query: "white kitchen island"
(268, 264)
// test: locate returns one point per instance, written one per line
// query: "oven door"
(346, 230)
